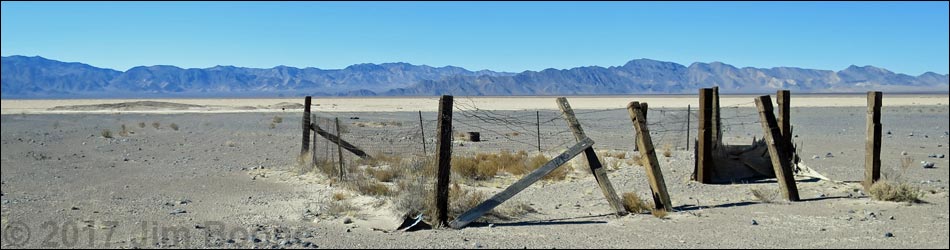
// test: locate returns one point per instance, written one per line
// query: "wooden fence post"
(636, 135)
(305, 143)
(661, 198)
(600, 175)
(704, 161)
(689, 114)
(783, 97)
(444, 159)
(313, 153)
(716, 119)
(422, 130)
(773, 138)
(339, 150)
(537, 114)
(872, 157)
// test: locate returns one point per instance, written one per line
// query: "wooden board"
(661, 196)
(346, 145)
(600, 174)
(482, 208)
(872, 158)
(780, 162)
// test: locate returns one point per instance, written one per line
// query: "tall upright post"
(305, 143)
(783, 97)
(716, 119)
(661, 198)
(872, 157)
(537, 114)
(780, 162)
(444, 159)
(704, 162)
(423, 131)
(339, 150)
(600, 175)
(689, 113)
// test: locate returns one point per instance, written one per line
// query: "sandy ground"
(224, 180)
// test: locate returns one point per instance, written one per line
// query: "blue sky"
(909, 38)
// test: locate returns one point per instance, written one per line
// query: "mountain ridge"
(38, 77)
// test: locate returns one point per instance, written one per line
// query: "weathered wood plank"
(716, 121)
(783, 97)
(661, 197)
(346, 145)
(482, 208)
(339, 152)
(443, 159)
(780, 163)
(872, 157)
(600, 174)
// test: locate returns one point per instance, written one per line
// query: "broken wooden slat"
(346, 145)
(661, 197)
(773, 138)
(480, 210)
(600, 175)
(339, 137)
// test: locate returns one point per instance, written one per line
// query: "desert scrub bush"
(384, 174)
(667, 150)
(157, 125)
(895, 192)
(338, 208)
(372, 188)
(141, 124)
(485, 166)
(230, 144)
(124, 132)
(277, 120)
(173, 126)
(765, 195)
(339, 196)
(633, 204)
(106, 133)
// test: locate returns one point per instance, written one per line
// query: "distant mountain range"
(37, 77)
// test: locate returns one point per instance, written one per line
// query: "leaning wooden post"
(305, 144)
(872, 157)
(339, 150)
(422, 130)
(783, 97)
(600, 175)
(444, 160)
(661, 198)
(636, 135)
(773, 138)
(704, 162)
(716, 119)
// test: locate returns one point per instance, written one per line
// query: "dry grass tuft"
(372, 188)
(106, 133)
(141, 125)
(339, 196)
(895, 192)
(156, 125)
(667, 150)
(124, 132)
(659, 213)
(384, 174)
(277, 120)
(765, 195)
(173, 126)
(633, 204)
(230, 144)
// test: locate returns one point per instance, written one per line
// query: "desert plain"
(227, 175)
